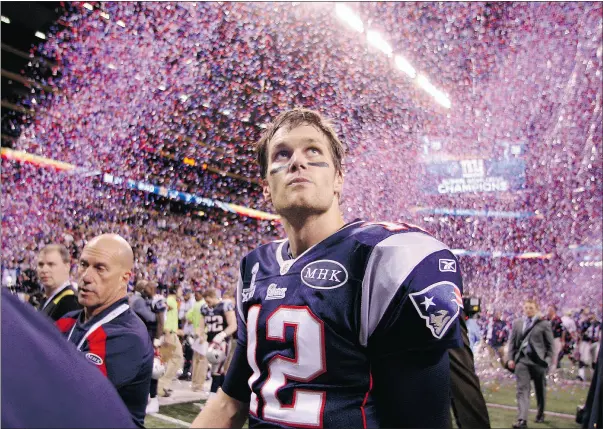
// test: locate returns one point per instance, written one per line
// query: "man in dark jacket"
(54, 264)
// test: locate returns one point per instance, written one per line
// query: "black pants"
(153, 387)
(188, 359)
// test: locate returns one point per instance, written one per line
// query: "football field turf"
(562, 400)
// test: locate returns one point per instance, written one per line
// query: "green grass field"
(558, 400)
(562, 397)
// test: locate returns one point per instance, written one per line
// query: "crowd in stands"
(199, 81)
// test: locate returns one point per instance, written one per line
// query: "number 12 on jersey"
(306, 409)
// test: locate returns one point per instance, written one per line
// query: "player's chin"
(86, 299)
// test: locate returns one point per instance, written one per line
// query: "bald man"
(109, 334)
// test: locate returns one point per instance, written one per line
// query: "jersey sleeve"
(204, 310)
(228, 306)
(235, 384)
(411, 296)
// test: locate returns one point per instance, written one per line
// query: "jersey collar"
(93, 320)
(284, 259)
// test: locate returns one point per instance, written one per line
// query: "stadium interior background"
(480, 122)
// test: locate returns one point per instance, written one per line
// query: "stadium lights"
(88, 6)
(438, 95)
(121, 23)
(405, 66)
(378, 42)
(349, 17)
(40, 35)
(5, 19)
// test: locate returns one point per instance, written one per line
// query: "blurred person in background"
(53, 267)
(107, 331)
(496, 338)
(570, 335)
(558, 335)
(530, 355)
(171, 348)
(474, 332)
(187, 302)
(220, 321)
(200, 364)
(151, 311)
(589, 331)
(228, 296)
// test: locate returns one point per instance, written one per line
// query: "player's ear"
(266, 191)
(338, 185)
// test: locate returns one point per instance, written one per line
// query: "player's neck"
(90, 312)
(305, 233)
(49, 290)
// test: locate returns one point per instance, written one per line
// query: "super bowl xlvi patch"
(95, 359)
(439, 305)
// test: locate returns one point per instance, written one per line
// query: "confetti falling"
(156, 83)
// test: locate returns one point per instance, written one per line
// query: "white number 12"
(308, 363)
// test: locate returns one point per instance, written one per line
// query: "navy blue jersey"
(46, 382)
(324, 337)
(589, 330)
(121, 349)
(215, 317)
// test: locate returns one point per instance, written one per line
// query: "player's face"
(529, 309)
(150, 291)
(212, 301)
(301, 176)
(101, 277)
(51, 269)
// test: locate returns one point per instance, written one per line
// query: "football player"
(220, 321)
(340, 325)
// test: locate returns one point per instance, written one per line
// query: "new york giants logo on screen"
(439, 304)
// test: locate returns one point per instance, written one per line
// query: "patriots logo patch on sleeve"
(439, 305)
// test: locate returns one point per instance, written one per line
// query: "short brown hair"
(532, 301)
(210, 293)
(141, 285)
(60, 249)
(294, 118)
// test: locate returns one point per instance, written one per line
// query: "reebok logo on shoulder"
(448, 265)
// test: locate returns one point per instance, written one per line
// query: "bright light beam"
(349, 17)
(405, 66)
(5, 19)
(378, 42)
(40, 35)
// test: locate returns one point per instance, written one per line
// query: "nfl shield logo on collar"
(439, 305)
